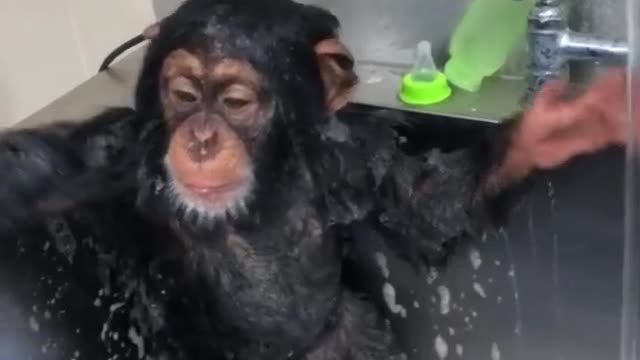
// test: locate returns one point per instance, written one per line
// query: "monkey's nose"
(203, 143)
(204, 133)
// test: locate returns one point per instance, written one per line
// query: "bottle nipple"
(424, 84)
(424, 68)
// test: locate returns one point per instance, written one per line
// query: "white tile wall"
(49, 47)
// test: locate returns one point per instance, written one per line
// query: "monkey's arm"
(51, 168)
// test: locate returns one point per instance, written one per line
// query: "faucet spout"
(579, 46)
(552, 45)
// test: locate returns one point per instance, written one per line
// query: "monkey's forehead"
(238, 22)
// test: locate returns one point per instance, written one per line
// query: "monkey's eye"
(238, 98)
(235, 103)
(183, 90)
(185, 96)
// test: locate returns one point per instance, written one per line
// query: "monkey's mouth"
(212, 200)
(200, 192)
(208, 191)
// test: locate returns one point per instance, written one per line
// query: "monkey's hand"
(51, 168)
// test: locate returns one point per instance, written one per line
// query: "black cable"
(121, 49)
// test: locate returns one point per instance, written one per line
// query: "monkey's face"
(236, 84)
(217, 113)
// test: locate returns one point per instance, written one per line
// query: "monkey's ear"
(337, 70)
(151, 31)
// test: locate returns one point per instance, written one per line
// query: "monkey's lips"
(213, 198)
(207, 191)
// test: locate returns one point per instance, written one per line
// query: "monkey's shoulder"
(360, 154)
(420, 196)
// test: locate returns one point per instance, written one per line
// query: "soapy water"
(445, 299)
(389, 295)
(514, 283)
(475, 259)
(441, 347)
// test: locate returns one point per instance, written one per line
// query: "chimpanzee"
(217, 213)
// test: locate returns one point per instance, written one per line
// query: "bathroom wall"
(385, 31)
(49, 47)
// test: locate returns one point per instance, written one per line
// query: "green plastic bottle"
(482, 41)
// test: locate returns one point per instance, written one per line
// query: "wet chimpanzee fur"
(266, 283)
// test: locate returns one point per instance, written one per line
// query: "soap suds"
(495, 352)
(479, 290)
(138, 341)
(476, 260)
(452, 331)
(33, 324)
(416, 305)
(442, 349)
(389, 294)
(65, 242)
(459, 350)
(104, 330)
(373, 79)
(105, 327)
(445, 299)
(113, 308)
(432, 276)
(381, 260)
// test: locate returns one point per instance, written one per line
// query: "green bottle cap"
(424, 85)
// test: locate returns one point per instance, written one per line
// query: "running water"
(514, 283)
(631, 269)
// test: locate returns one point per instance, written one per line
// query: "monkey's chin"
(212, 202)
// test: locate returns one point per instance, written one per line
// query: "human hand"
(556, 129)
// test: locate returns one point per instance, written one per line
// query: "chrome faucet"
(552, 45)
